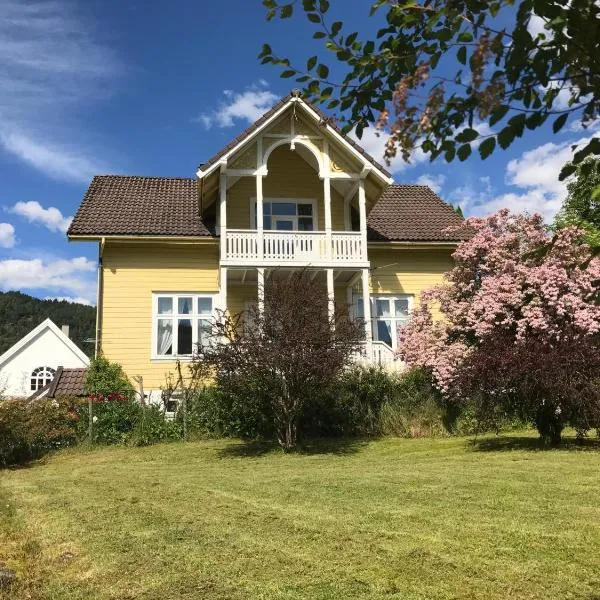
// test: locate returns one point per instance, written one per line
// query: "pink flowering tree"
(520, 332)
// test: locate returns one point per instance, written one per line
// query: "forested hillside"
(20, 313)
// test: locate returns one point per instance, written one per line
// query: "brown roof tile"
(68, 382)
(130, 205)
(411, 213)
(252, 128)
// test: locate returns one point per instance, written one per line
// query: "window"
(287, 215)
(388, 314)
(41, 377)
(182, 322)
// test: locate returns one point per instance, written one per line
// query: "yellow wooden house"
(291, 192)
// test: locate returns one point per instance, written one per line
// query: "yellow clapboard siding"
(290, 176)
(131, 273)
(407, 271)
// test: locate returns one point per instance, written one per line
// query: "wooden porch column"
(261, 289)
(362, 207)
(327, 198)
(223, 211)
(223, 288)
(259, 217)
(366, 294)
(330, 295)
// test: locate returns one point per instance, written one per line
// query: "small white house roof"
(48, 324)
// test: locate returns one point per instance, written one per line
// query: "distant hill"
(20, 313)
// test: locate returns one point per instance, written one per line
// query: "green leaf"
(498, 114)
(351, 38)
(596, 193)
(465, 36)
(323, 71)
(559, 123)
(311, 62)
(461, 55)
(317, 35)
(467, 135)
(506, 137)
(567, 170)
(335, 28)
(287, 74)
(313, 17)
(266, 49)
(464, 152)
(286, 11)
(323, 6)
(487, 147)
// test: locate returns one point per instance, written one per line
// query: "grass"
(409, 519)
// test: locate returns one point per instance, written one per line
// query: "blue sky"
(153, 88)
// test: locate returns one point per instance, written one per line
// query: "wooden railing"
(242, 246)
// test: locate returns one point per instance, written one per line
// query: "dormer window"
(287, 214)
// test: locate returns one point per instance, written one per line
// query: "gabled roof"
(25, 340)
(130, 205)
(261, 122)
(412, 213)
(66, 382)
(402, 213)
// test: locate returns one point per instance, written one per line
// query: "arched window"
(41, 377)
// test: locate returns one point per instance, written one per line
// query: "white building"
(32, 362)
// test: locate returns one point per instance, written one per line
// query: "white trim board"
(46, 324)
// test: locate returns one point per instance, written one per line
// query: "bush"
(215, 412)
(30, 429)
(126, 421)
(105, 377)
(416, 409)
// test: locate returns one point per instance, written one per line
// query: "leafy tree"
(521, 333)
(285, 355)
(582, 205)
(438, 67)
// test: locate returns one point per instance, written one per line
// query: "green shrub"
(215, 412)
(30, 429)
(126, 421)
(105, 377)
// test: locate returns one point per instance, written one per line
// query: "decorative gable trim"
(44, 325)
(257, 128)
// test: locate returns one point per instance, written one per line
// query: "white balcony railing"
(380, 354)
(302, 247)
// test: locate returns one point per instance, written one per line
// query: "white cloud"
(50, 217)
(71, 300)
(374, 142)
(50, 66)
(7, 235)
(66, 276)
(245, 106)
(535, 175)
(435, 182)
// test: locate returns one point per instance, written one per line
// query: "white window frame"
(42, 376)
(396, 320)
(311, 201)
(194, 316)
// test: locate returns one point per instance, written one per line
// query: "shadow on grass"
(331, 446)
(508, 443)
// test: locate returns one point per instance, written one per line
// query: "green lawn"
(402, 519)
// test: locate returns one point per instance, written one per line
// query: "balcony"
(301, 248)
